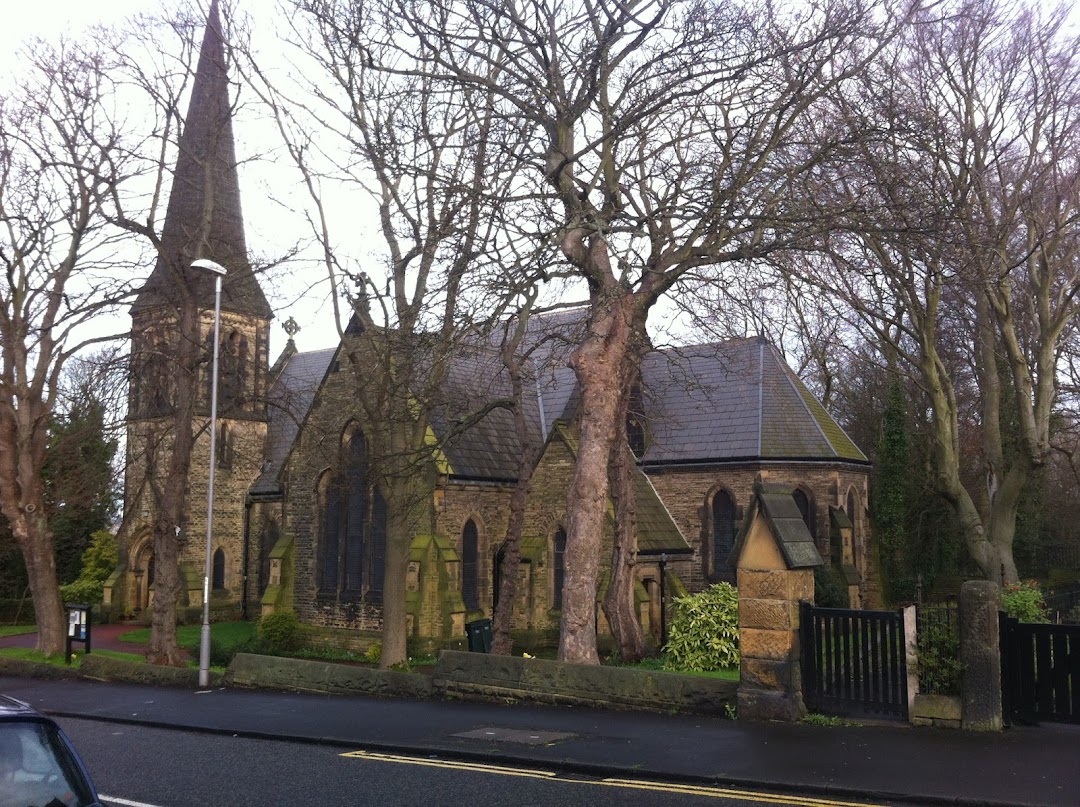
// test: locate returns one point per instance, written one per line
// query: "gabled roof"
(781, 513)
(289, 400)
(205, 180)
(735, 400)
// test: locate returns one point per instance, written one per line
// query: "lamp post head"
(205, 265)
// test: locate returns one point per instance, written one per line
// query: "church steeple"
(204, 219)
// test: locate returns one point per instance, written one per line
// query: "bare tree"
(960, 253)
(432, 159)
(56, 140)
(662, 140)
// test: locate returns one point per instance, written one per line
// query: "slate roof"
(735, 400)
(732, 401)
(289, 400)
(489, 448)
(205, 172)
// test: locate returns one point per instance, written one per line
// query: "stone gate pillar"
(775, 558)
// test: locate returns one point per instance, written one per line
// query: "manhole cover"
(523, 736)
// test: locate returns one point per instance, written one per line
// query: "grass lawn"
(16, 630)
(29, 654)
(226, 634)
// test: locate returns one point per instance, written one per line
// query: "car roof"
(11, 709)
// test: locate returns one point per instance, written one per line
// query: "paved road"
(169, 768)
(1024, 766)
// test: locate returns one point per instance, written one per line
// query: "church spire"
(203, 219)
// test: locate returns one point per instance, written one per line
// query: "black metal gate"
(854, 662)
(1040, 671)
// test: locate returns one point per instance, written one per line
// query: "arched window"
(852, 515)
(232, 373)
(217, 579)
(356, 512)
(496, 576)
(470, 557)
(378, 545)
(635, 436)
(559, 566)
(806, 510)
(330, 545)
(723, 530)
(224, 448)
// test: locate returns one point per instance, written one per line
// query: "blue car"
(38, 765)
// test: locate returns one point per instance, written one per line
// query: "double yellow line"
(631, 784)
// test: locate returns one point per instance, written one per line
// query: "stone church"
(296, 527)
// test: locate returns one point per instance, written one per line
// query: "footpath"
(1018, 767)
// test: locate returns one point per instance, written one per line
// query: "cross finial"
(291, 327)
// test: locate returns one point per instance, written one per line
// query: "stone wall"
(686, 493)
(478, 676)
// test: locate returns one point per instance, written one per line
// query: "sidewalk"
(1022, 766)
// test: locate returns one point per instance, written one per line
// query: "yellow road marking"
(634, 784)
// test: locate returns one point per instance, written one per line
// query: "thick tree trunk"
(408, 504)
(22, 501)
(34, 538)
(619, 602)
(395, 618)
(597, 362)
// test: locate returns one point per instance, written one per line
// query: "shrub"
(280, 631)
(1024, 601)
(704, 633)
(940, 670)
(98, 562)
(374, 652)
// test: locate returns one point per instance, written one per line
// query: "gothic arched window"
(378, 545)
(470, 561)
(496, 576)
(356, 512)
(806, 510)
(722, 516)
(559, 566)
(330, 543)
(218, 577)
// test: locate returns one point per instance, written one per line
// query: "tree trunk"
(395, 618)
(597, 363)
(34, 538)
(619, 602)
(172, 496)
(408, 513)
(22, 501)
(501, 643)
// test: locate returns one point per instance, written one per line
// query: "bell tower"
(203, 220)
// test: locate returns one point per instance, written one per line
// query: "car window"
(36, 768)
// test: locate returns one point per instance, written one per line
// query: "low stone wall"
(104, 668)
(486, 677)
(272, 672)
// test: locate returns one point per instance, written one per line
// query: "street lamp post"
(218, 271)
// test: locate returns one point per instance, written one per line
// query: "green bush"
(704, 632)
(1024, 601)
(98, 562)
(88, 592)
(830, 588)
(938, 658)
(280, 631)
